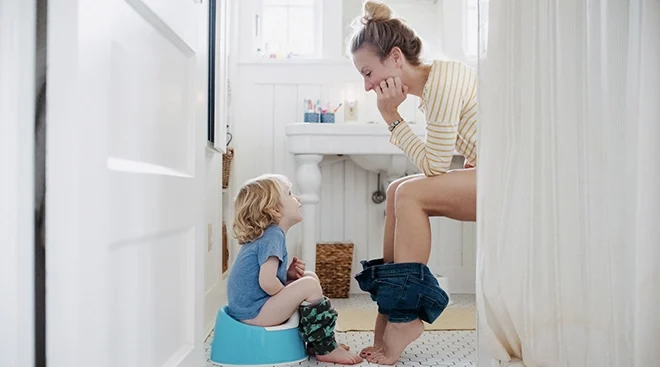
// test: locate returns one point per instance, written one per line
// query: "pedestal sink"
(392, 166)
(349, 139)
(366, 144)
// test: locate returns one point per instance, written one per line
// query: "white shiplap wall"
(269, 96)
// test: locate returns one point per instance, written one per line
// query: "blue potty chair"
(238, 344)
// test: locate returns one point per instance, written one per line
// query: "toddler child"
(261, 289)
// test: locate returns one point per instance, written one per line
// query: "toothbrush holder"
(328, 117)
(312, 117)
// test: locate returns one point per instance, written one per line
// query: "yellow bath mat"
(362, 319)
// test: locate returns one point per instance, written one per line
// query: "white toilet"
(443, 281)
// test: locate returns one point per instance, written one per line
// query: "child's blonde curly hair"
(258, 205)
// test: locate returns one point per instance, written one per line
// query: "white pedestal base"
(308, 177)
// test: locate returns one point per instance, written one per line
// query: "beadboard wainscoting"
(270, 96)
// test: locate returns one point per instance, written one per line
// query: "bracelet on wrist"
(395, 124)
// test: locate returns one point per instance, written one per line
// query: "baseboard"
(511, 363)
(209, 331)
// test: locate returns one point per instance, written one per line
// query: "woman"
(386, 52)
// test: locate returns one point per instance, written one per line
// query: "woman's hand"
(391, 93)
(296, 269)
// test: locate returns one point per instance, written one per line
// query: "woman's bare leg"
(452, 195)
(390, 216)
(388, 256)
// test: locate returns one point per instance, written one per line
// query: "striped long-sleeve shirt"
(449, 102)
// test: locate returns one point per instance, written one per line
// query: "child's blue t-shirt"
(245, 296)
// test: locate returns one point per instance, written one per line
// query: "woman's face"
(373, 70)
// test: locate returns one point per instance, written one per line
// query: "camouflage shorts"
(317, 326)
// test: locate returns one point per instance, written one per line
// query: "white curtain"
(569, 184)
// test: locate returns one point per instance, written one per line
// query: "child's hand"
(296, 269)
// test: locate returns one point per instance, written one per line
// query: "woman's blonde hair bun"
(378, 29)
(375, 11)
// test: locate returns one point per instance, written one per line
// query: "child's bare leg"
(309, 349)
(311, 274)
(317, 327)
(281, 306)
(307, 274)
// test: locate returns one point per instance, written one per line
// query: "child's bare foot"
(379, 330)
(395, 340)
(310, 351)
(341, 356)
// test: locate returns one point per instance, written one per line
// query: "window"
(289, 29)
(475, 33)
(471, 31)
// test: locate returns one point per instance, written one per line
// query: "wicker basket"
(226, 166)
(334, 262)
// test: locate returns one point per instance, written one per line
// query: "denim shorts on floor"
(404, 291)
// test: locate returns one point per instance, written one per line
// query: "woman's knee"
(405, 191)
(391, 191)
(391, 188)
(406, 195)
(435, 196)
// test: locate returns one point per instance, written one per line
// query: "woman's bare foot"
(341, 356)
(379, 330)
(395, 340)
(310, 351)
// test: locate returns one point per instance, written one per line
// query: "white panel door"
(126, 140)
(17, 112)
